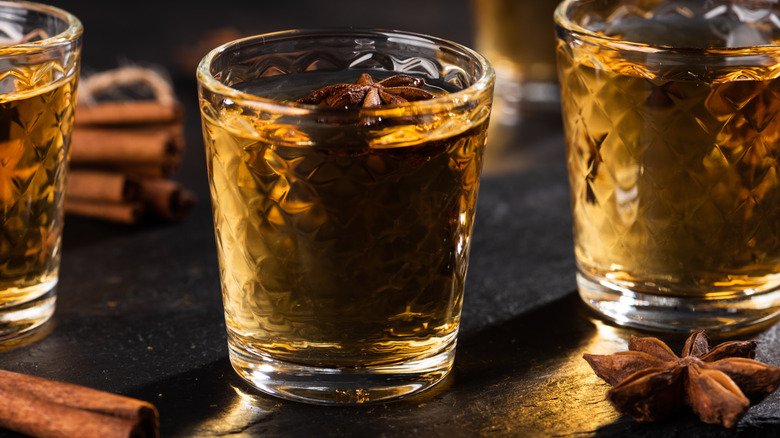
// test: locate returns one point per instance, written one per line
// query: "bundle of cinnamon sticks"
(45, 408)
(124, 153)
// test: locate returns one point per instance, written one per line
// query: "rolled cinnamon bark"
(45, 408)
(122, 212)
(167, 199)
(151, 170)
(99, 185)
(39, 418)
(127, 113)
(126, 146)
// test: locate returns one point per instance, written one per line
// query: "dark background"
(139, 307)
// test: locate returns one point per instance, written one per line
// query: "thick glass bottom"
(341, 386)
(679, 314)
(22, 318)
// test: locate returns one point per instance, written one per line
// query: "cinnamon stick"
(121, 151)
(128, 113)
(101, 186)
(126, 146)
(44, 408)
(167, 199)
(120, 198)
(150, 170)
(122, 212)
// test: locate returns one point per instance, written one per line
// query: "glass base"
(21, 319)
(679, 314)
(340, 386)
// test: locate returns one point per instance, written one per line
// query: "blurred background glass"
(517, 36)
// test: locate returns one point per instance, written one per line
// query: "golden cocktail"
(672, 146)
(343, 234)
(39, 61)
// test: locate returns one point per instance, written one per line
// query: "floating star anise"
(365, 92)
(651, 383)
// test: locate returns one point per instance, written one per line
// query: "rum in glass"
(343, 234)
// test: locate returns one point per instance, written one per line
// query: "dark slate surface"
(139, 309)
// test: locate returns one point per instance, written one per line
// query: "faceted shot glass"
(670, 111)
(343, 234)
(40, 48)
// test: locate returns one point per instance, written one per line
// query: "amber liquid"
(674, 174)
(336, 255)
(35, 128)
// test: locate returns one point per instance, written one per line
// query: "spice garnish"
(651, 383)
(366, 92)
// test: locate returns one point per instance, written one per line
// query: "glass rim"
(564, 21)
(482, 83)
(73, 31)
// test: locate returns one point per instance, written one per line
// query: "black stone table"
(139, 310)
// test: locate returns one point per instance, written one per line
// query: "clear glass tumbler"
(518, 38)
(671, 111)
(343, 234)
(40, 48)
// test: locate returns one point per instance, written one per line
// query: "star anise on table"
(651, 383)
(366, 92)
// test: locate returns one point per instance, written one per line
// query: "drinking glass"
(518, 38)
(40, 47)
(670, 110)
(343, 234)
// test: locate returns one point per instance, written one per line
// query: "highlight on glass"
(344, 167)
(40, 49)
(670, 113)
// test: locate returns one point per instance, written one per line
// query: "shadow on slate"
(509, 349)
(214, 401)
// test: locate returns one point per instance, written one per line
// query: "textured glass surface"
(679, 23)
(673, 154)
(673, 167)
(343, 242)
(343, 233)
(39, 61)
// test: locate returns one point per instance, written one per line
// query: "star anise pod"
(365, 92)
(651, 383)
